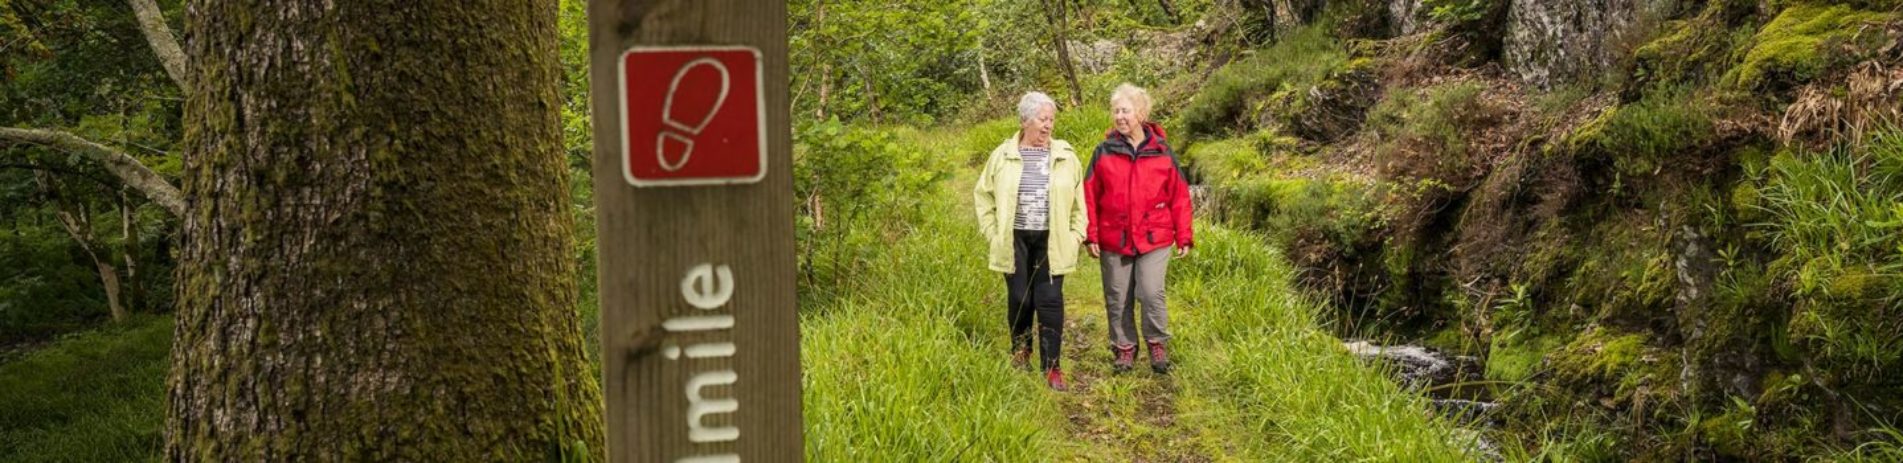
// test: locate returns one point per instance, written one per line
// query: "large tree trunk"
(377, 257)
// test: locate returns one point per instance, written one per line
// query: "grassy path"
(911, 363)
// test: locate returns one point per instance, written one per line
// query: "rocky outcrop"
(1549, 43)
(1406, 16)
(1095, 57)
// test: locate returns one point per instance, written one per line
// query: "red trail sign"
(693, 116)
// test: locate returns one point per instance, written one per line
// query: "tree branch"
(152, 22)
(128, 169)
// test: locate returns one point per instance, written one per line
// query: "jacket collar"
(1153, 142)
(1060, 149)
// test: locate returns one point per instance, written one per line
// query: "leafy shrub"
(1424, 133)
(981, 138)
(855, 187)
(1643, 137)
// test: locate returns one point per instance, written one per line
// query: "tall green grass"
(1836, 220)
(1252, 353)
(94, 396)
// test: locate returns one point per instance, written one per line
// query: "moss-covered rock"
(1689, 51)
(1617, 367)
(1520, 359)
(1803, 42)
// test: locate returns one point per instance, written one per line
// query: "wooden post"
(699, 320)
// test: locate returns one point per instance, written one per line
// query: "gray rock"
(1550, 43)
(1095, 57)
(1406, 16)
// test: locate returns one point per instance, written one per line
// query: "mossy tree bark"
(377, 261)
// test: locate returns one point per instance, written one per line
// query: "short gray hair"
(1031, 102)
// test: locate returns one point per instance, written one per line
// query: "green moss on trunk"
(376, 260)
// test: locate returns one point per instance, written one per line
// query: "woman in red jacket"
(1138, 201)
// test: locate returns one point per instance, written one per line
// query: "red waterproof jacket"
(1137, 197)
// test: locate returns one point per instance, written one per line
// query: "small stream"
(1443, 378)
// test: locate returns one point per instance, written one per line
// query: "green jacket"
(996, 198)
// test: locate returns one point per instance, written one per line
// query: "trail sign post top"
(692, 115)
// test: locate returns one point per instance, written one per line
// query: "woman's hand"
(1182, 252)
(1094, 252)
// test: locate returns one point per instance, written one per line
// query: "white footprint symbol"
(680, 137)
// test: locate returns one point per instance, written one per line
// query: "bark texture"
(377, 261)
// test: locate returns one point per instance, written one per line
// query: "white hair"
(1031, 102)
(1138, 98)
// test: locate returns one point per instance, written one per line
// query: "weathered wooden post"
(693, 184)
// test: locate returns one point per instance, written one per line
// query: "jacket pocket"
(1001, 255)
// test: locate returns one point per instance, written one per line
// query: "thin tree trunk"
(1169, 9)
(129, 251)
(825, 69)
(109, 277)
(1054, 12)
(377, 254)
(872, 94)
(76, 219)
(984, 73)
(825, 91)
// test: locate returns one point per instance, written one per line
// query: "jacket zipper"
(1130, 188)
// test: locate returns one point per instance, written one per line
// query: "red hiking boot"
(1159, 359)
(1126, 358)
(1056, 378)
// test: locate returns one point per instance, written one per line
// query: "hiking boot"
(1056, 378)
(1159, 359)
(1021, 359)
(1126, 357)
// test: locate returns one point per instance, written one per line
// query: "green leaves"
(853, 187)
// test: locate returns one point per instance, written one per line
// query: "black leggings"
(1033, 290)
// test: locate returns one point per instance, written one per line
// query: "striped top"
(1034, 192)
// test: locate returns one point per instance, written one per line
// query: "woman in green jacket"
(1029, 211)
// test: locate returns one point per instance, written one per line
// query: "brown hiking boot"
(1056, 378)
(1159, 359)
(1021, 359)
(1126, 358)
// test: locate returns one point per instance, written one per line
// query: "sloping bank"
(909, 362)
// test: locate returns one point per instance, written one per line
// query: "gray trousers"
(1144, 273)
